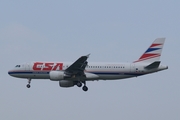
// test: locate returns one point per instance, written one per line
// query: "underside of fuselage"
(45, 75)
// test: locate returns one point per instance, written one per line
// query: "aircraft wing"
(78, 67)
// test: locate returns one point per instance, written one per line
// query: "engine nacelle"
(66, 83)
(56, 75)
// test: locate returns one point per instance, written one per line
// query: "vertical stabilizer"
(153, 53)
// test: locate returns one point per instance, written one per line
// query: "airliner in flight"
(77, 73)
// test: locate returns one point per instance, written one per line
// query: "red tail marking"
(153, 45)
(147, 55)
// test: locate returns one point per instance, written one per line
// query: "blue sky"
(112, 31)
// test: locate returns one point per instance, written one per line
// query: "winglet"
(88, 55)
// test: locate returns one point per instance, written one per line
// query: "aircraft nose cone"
(10, 73)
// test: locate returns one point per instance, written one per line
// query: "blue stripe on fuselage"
(97, 73)
(27, 72)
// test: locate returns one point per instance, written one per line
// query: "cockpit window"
(18, 66)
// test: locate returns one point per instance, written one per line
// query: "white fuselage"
(80, 71)
(94, 71)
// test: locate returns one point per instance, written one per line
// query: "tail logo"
(151, 52)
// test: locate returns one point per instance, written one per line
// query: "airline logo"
(151, 52)
(47, 66)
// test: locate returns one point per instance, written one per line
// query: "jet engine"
(66, 83)
(56, 75)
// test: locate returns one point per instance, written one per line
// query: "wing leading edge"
(78, 67)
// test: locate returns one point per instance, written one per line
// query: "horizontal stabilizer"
(153, 65)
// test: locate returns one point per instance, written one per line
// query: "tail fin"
(153, 53)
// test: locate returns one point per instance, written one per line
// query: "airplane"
(79, 72)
